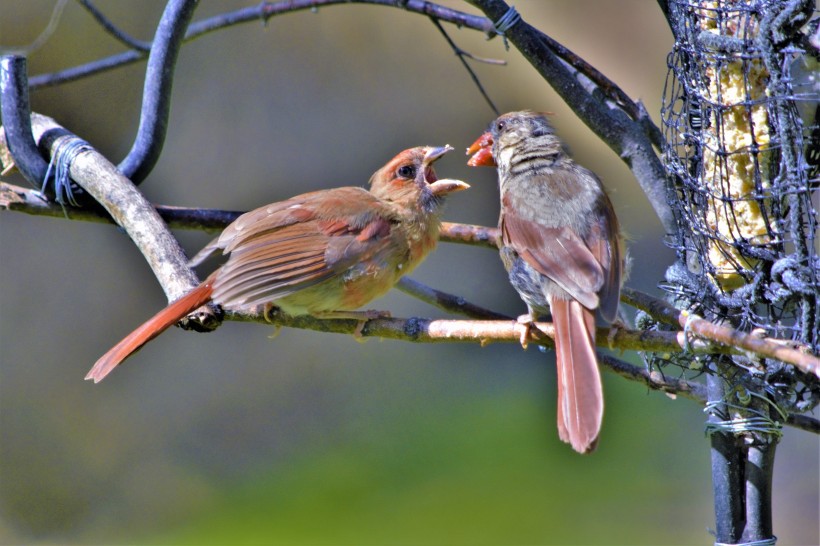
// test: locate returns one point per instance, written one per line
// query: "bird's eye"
(500, 125)
(407, 171)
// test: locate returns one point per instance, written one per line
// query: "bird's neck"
(541, 155)
(422, 227)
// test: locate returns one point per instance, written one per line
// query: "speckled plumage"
(562, 250)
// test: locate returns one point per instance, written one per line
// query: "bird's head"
(507, 132)
(409, 178)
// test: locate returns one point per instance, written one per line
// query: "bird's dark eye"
(407, 171)
(500, 125)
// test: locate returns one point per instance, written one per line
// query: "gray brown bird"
(324, 253)
(562, 249)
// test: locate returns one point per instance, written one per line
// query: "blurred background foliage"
(234, 438)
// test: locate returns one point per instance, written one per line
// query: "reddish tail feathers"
(149, 330)
(580, 394)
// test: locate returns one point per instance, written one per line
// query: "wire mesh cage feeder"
(741, 125)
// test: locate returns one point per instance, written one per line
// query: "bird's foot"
(616, 326)
(269, 311)
(529, 331)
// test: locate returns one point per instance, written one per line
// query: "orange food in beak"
(482, 150)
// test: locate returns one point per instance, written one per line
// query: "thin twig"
(29, 201)
(626, 137)
(688, 389)
(113, 30)
(262, 11)
(448, 302)
(38, 42)
(461, 54)
(656, 380)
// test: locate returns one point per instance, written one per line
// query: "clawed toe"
(269, 310)
(529, 331)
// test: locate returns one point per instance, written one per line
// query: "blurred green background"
(234, 438)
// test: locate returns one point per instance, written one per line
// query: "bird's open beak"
(447, 185)
(482, 152)
(433, 154)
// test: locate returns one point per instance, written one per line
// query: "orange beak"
(482, 152)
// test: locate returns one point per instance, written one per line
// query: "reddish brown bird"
(324, 253)
(562, 250)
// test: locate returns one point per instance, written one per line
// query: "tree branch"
(626, 137)
(262, 11)
(461, 54)
(454, 304)
(421, 330)
(784, 351)
(732, 341)
(120, 198)
(29, 201)
(632, 139)
(113, 30)
(424, 330)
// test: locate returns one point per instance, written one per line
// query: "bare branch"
(656, 380)
(461, 54)
(462, 331)
(692, 390)
(467, 234)
(627, 137)
(29, 201)
(448, 302)
(784, 351)
(124, 203)
(262, 11)
(113, 30)
(422, 330)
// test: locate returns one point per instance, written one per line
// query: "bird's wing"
(604, 242)
(557, 253)
(282, 248)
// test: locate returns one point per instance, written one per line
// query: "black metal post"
(727, 469)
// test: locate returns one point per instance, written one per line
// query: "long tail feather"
(149, 330)
(580, 393)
